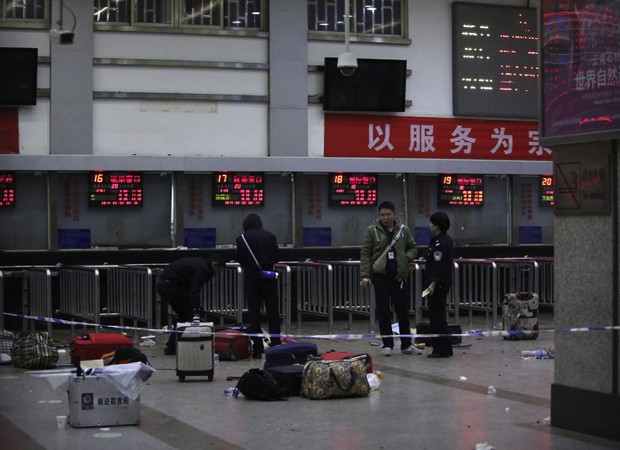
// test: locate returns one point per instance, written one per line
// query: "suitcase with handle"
(289, 354)
(232, 345)
(195, 350)
(95, 345)
(520, 313)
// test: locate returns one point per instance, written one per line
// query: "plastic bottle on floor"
(537, 354)
(232, 391)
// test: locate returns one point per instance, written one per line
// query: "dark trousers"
(438, 322)
(178, 297)
(386, 289)
(257, 291)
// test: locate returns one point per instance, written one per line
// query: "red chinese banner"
(430, 137)
(9, 131)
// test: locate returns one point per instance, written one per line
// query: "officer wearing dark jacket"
(438, 279)
(179, 285)
(258, 289)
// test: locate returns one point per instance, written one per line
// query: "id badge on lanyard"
(390, 254)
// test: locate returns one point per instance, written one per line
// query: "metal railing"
(315, 291)
(475, 286)
(80, 293)
(130, 294)
(40, 294)
(348, 296)
(223, 296)
(285, 283)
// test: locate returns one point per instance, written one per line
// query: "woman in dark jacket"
(438, 279)
(257, 289)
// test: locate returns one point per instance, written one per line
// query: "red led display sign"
(7, 189)
(115, 188)
(546, 187)
(238, 189)
(349, 189)
(461, 190)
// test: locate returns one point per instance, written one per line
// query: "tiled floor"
(421, 403)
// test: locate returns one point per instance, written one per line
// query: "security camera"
(347, 63)
(59, 36)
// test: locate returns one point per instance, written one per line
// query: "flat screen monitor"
(115, 189)
(7, 189)
(580, 85)
(18, 76)
(494, 61)
(352, 189)
(238, 189)
(377, 85)
(461, 190)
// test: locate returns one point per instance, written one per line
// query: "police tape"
(351, 337)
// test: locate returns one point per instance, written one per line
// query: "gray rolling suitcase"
(195, 350)
(520, 313)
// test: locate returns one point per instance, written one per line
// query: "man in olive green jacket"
(387, 249)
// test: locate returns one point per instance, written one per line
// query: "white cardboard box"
(95, 402)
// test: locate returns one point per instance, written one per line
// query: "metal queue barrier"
(80, 295)
(17, 273)
(315, 291)
(130, 294)
(224, 296)
(475, 286)
(544, 286)
(416, 287)
(40, 294)
(347, 294)
(285, 298)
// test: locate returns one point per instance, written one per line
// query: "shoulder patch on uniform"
(437, 255)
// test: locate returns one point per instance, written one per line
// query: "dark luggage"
(195, 350)
(95, 345)
(334, 355)
(425, 328)
(257, 384)
(289, 354)
(520, 313)
(232, 345)
(288, 378)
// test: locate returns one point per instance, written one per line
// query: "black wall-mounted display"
(238, 189)
(546, 189)
(18, 76)
(461, 190)
(494, 60)
(7, 189)
(377, 85)
(115, 188)
(351, 189)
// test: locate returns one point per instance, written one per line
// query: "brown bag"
(324, 379)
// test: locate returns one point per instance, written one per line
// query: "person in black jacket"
(438, 279)
(179, 285)
(264, 245)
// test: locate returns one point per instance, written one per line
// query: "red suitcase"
(95, 345)
(232, 345)
(334, 356)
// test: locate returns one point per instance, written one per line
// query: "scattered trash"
(373, 380)
(462, 378)
(374, 344)
(232, 392)
(379, 374)
(547, 420)
(491, 390)
(536, 354)
(484, 446)
(507, 409)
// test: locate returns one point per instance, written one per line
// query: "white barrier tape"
(353, 337)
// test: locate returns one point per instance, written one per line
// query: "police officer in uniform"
(438, 279)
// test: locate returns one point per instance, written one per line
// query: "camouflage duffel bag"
(324, 379)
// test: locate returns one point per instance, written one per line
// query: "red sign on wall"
(432, 138)
(9, 131)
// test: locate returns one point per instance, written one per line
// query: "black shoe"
(169, 351)
(438, 355)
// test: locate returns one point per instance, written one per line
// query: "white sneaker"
(386, 351)
(411, 350)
